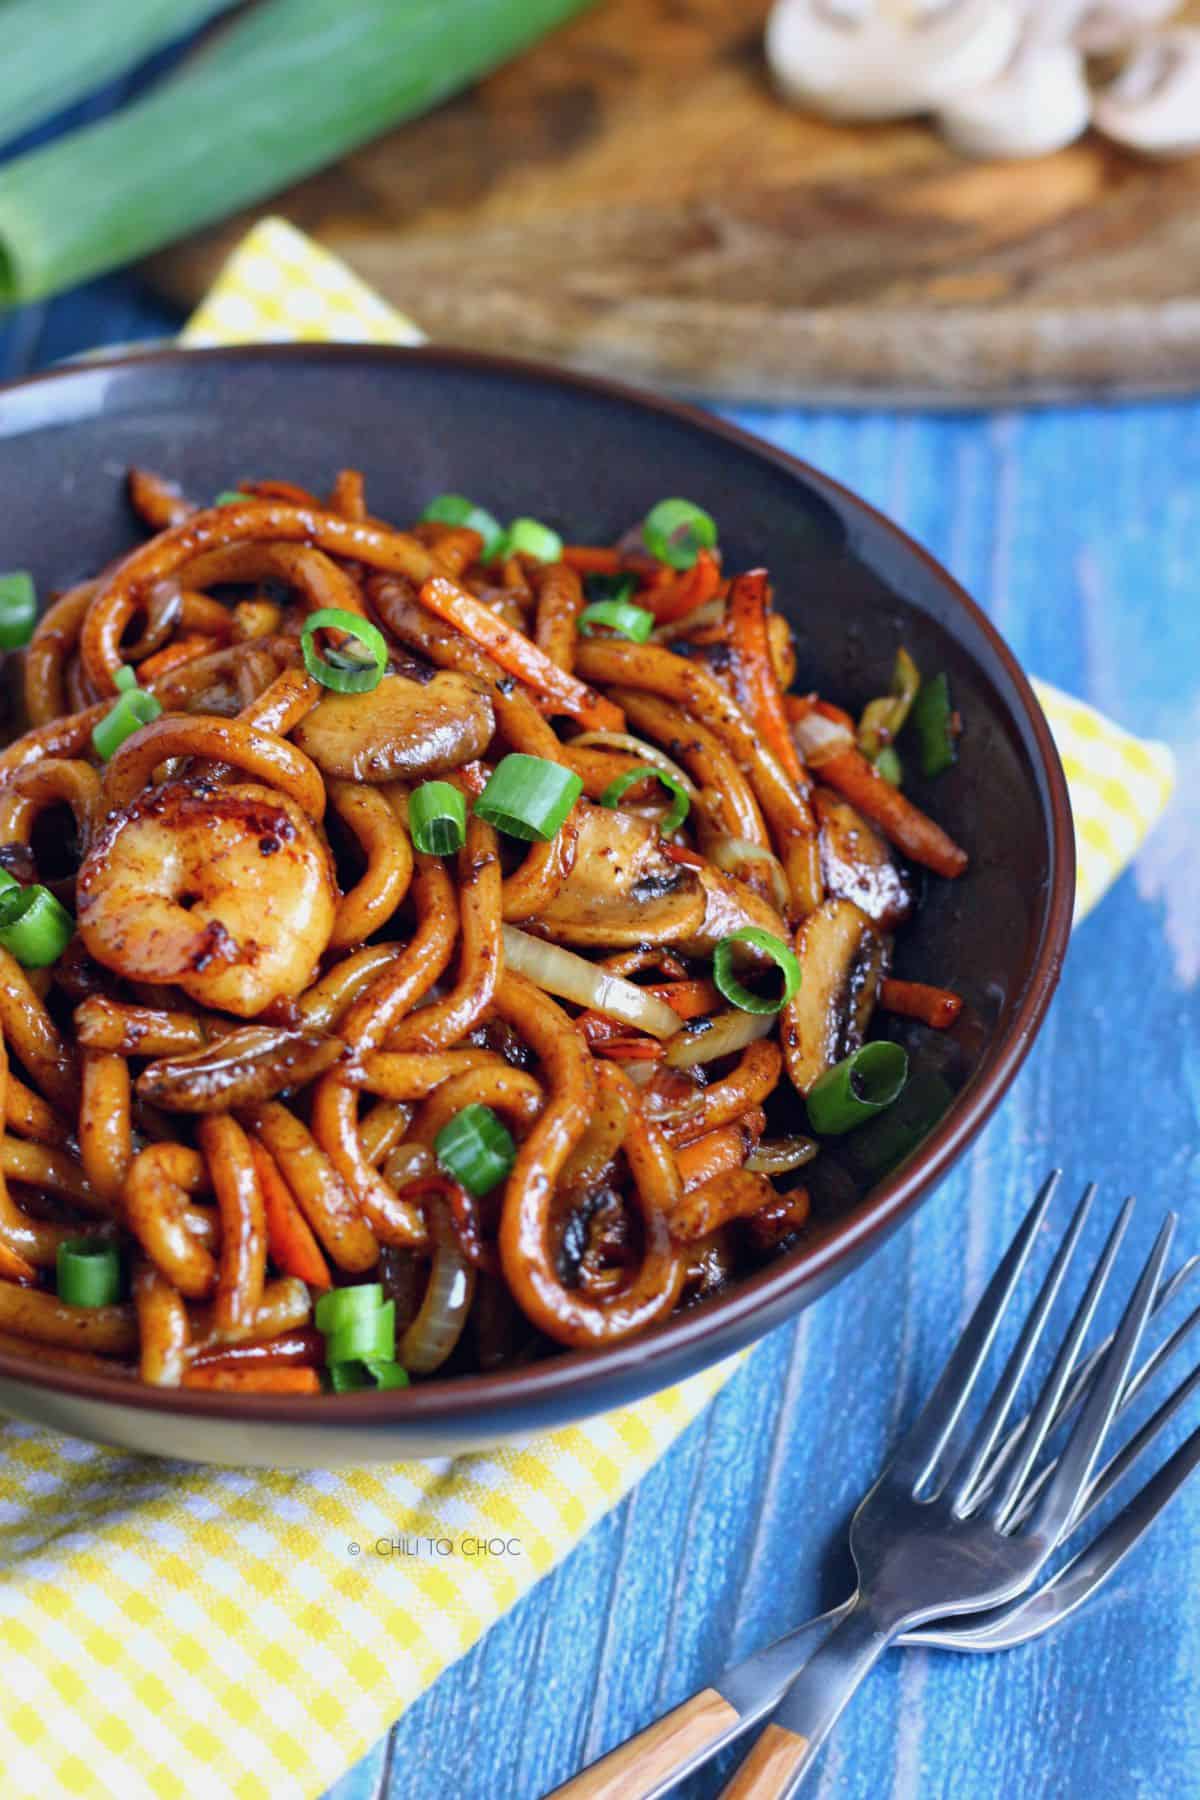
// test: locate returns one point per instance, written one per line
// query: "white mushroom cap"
(887, 59)
(1154, 103)
(1039, 104)
(1107, 25)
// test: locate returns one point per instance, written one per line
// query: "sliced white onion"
(706, 614)
(702, 1042)
(820, 738)
(729, 852)
(407, 1161)
(635, 746)
(779, 1156)
(573, 978)
(443, 1312)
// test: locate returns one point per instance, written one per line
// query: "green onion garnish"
(784, 959)
(456, 509)
(353, 673)
(348, 1377)
(365, 1337)
(337, 1307)
(675, 532)
(89, 1272)
(932, 718)
(528, 797)
(7, 880)
(883, 719)
(888, 764)
(132, 709)
(231, 497)
(856, 1089)
(476, 1149)
(18, 609)
(610, 587)
(669, 824)
(34, 928)
(529, 537)
(620, 616)
(437, 818)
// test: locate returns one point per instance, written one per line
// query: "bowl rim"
(728, 1315)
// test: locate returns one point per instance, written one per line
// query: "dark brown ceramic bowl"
(589, 456)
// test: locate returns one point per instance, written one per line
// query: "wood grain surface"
(631, 197)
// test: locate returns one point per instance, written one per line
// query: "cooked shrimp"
(227, 891)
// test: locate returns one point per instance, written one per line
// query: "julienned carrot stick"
(906, 825)
(591, 559)
(630, 1049)
(519, 655)
(281, 1378)
(934, 1006)
(758, 691)
(676, 598)
(290, 1241)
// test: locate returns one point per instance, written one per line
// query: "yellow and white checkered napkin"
(173, 1630)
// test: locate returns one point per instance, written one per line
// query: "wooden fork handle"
(636, 1767)
(777, 1754)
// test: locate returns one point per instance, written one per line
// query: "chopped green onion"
(437, 818)
(339, 1306)
(675, 532)
(89, 1272)
(856, 1089)
(34, 928)
(610, 587)
(671, 821)
(133, 708)
(231, 497)
(529, 537)
(476, 1149)
(933, 721)
(888, 764)
(364, 1337)
(386, 1374)
(727, 982)
(620, 616)
(349, 1377)
(883, 719)
(18, 609)
(529, 797)
(125, 679)
(7, 881)
(354, 674)
(456, 509)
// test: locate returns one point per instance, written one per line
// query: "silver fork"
(971, 1544)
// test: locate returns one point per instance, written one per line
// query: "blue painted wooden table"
(1079, 530)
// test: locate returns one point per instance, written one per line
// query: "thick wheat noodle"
(30, 1116)
(407, 1076)
(34, 1241)
(104, 1024)
(65, 735)
(53, 643)
(373, 899)
(33, 1037)
(285, 1305)
(83, 1361)
(785, 808)
(242, 1265)
(324, 1004)
(106, 1124)
(58, 781)
(756, 1076)
(481, 955)
(711, 1155)
(315, 578)
(732, 1194)
(158, 503)
(80, 692)
(559, 603)
(511, 1092)
(55, 1172)
(382, 1127)
(531, 887)
(593, 1154)
(254, 752)
(157, 1201)
(43, 1318)
(323, 1196)
(348, 496)
(164, 1329)
(726, 794)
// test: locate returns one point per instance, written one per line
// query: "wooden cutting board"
(631, 197)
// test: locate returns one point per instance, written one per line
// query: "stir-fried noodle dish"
(425, 948)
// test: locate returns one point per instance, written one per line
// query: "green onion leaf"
(476, 1149)
(856, 1089)
(132, 709)
(353, 673)
(18, 609)
(34, 928)
(350, 1377)
(888, 764)
(670, 823)
(675, 532)
(883, 719)
(125, 679)
(386, 1374)
(610, 587)
(620, 616)
(529, 537)
(932, 719)
(727, 982)
(89, 1272)
(231, 497)
(456, 509)
(339, 1306)
(7, 881)
(437, 818)
(364, 1337)
(528, 797)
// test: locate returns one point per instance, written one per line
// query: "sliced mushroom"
(856, 862)
(1154, 103)
(843, 959)
(1113, 24)
(400, 730)
(864, 59)
(622, 890)
(730, 905)
(1040, 103)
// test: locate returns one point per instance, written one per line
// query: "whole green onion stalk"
(288, 88)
